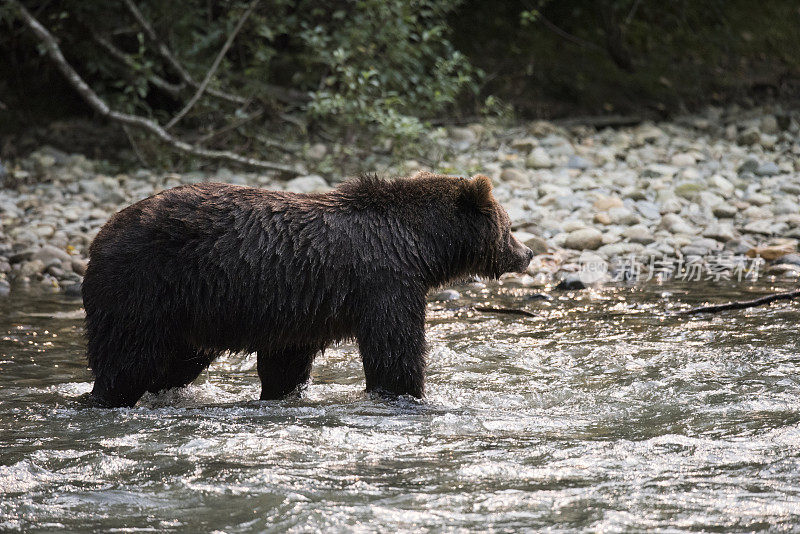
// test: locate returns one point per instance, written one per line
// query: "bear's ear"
(483, 186)
(478, 193)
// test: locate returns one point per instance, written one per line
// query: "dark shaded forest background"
(264, 77)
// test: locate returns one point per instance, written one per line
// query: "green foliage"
(378, 65)
(374, 70)
(391, 64)
(550, 57)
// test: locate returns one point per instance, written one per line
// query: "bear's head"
(487, 230)
(451, 227)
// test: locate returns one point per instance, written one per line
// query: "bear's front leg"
(284, 371)
(392, 346)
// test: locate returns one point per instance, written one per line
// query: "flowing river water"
(602, 412)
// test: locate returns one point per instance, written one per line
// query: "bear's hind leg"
(186, 364)
(284, 371)
(123, 366)
(118, 391)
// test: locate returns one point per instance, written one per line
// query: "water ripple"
(601, 412)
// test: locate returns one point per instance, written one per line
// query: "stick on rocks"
(739, 305)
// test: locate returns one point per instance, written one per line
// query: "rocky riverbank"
(714, 195)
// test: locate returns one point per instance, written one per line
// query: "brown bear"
(189, 273)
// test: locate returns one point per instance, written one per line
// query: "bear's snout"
(520, 256)
(526, 255)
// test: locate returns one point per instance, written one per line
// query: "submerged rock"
(446, 295)
(72, 290)
(770, 252)
(571, 282)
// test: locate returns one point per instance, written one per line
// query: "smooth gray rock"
(722, 184)
(515, 176)
(748, 136)
(31, 268)
(790, 259)
(537, 245)
(639, 233)
(539, 159)
(620, 249)
(308, 184)
(683, 160)
(78, 265)
(584, 239)
(759, 199)
(768, 168)
(768, 141)
(524, 144)
(769, 124)
(578, 162)
(463, 135)
(622, 216)
(675, 224)
(720, 231)
(658, 170)
(724, 210)
(49, 253)
(787, 206)
(750, 165)
(21, 256)
(317, 151)
(72, 290)
(649, 210)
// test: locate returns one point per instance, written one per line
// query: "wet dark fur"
(185, 275)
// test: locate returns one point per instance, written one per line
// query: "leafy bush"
(391, 64)
(385, 64)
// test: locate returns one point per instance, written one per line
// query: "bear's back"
(249, 258)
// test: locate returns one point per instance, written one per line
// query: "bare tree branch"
(568, 36)
(228, 127)
(214, 66)
(173, 61)
(289, 148)
(99, 105)
(632, 12)
(282, 94)
(742, 304)
(173, 89)
(134, 145)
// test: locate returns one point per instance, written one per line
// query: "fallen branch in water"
(100, 106)
(739, 305)
(507, 311)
